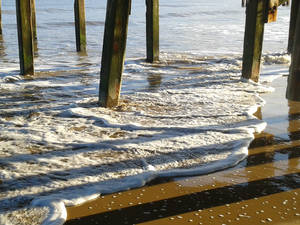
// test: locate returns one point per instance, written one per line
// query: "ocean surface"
(188, 114)
(197, 28)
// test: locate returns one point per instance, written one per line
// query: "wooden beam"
(253, 39)
(113, 53)
(293, 19)
(25, 36)
(80, 27)
(293, 91)
(152, 30)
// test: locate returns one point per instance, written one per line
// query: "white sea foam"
(59, 148)
(278, 58)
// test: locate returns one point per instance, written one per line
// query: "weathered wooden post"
(2, 47)
(33, 18)
(25, 36)
(152, 30)
(34, 28)
(293, 88)
(294, 14)
(0, 18)
(80, 27)
(113, 53)
(253, 39)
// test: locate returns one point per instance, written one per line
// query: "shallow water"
(198, 27)
(264, 188)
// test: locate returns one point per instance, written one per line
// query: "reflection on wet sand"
(265, 188)
(294, 129)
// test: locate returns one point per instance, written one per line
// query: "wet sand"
(263, 189)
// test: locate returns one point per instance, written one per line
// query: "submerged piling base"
(80, 27)
(152, 30)
(253, 39)
(113, 53)
(25, 36)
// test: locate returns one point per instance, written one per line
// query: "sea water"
(195, 27)
(188, 114)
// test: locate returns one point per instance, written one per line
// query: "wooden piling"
(253, 39)
(33, 20)
(152, 30)
(0, 17)
(2, 47)
(293, 91)
(34, 28)
(292, 30)
(25, 36)
(80, 27)
(113, 53)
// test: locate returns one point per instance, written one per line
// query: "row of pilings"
(258, 12)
